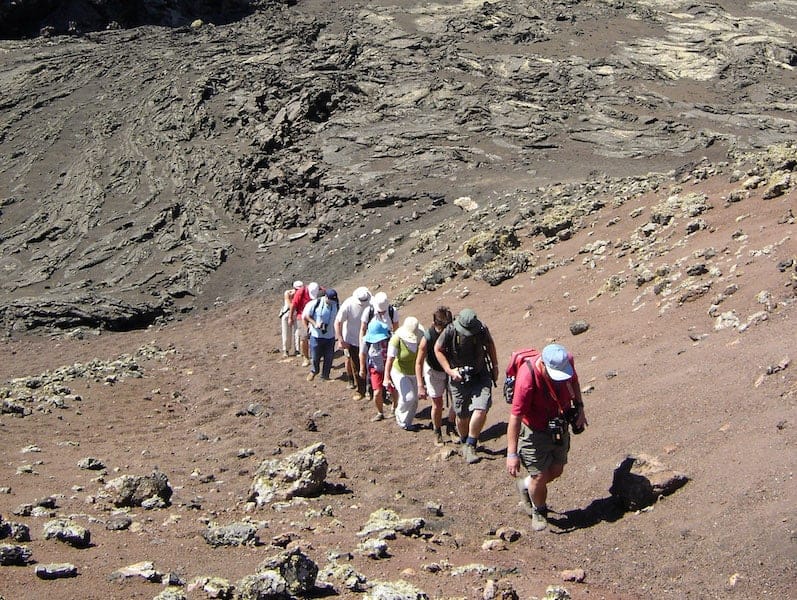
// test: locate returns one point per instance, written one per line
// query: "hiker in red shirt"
(547, 399)
(300, 299)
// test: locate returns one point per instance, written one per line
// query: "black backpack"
(372, 311)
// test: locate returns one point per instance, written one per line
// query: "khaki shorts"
(474, 395)
(537, 451)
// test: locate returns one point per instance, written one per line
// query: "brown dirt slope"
(662, 380)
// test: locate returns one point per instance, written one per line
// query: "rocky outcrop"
(49, 390)
(300, 474)
(335, 123)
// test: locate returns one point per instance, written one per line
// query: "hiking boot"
(539, 521)
(469, 452)
(310, 376)
(525, 500)
(305, 362)
(377, 417)
(358, 396)
(438, 438)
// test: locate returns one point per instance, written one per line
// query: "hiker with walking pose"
(432, 379)
(401, 353)
(466, 351)
(546, 399)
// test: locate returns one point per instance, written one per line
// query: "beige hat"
(410, 331)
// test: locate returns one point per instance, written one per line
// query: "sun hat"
(332, 294)
(298, 284)
(410, 331)
(362, 295)
(467, 323)
(312, 289)
(376, 332)
(380, 302)
(557, 362)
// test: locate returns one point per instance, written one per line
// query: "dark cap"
(467, 323)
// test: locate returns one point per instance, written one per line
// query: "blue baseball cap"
(557, 362)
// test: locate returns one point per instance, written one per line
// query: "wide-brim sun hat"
(410, 331)
(376, 332)
(557, 362)
(467, 323)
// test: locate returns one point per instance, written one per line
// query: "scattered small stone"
(30, 449)
(145, 570)
(555, 592)
(578, 327)
(499, 590)
(235, 534)
(374, 549)
(494, 545)
(55, 571)
(118, 522)
(91, 464)
(783, 364)
(434, 508)
(508, 534)
(577, 575)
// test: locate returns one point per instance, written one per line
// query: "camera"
(572, 417)
(323, 327)
(466, 373)
(557, 428)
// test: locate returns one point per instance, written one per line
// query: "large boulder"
(135, 490)
(300, 474)
(296, 568)
(67, 531)
(639, 481)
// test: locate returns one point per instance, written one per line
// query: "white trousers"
(407, 403)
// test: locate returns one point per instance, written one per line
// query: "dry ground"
(703, 404)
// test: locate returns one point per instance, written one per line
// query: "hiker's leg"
(476, 424)
(538, 484)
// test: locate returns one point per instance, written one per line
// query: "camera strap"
(551, 391)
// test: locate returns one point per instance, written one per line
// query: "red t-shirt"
(538, 398)
(300, 300)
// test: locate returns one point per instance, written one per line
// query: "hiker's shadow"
(493, 432)
(609, 509)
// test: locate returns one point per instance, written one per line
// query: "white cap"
(380, 302)
(362, 295)
(312, 289)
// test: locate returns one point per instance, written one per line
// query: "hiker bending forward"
(546, 400)
(466, 352)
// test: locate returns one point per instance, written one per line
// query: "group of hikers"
(397, 364)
